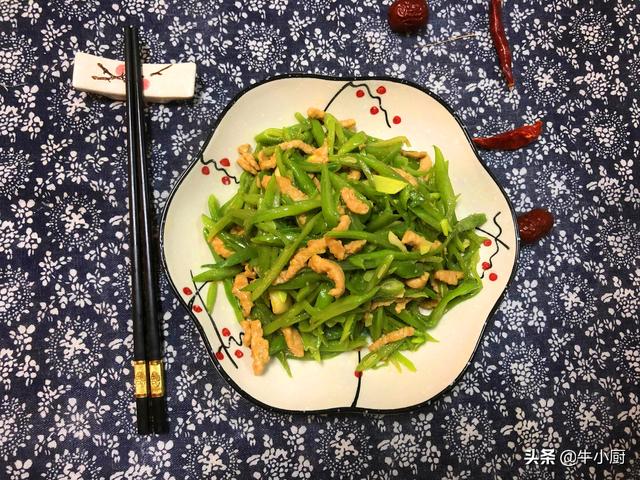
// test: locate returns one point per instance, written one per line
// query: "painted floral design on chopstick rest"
(161, 82)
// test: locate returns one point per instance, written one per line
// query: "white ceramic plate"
(383, 107)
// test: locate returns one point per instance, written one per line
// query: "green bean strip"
(400, 359)
(277, 344)
(380, 272)
(239, 257)
(207, 222)
(376, 326)
(301, 118)
(241, 214)
(427, 218)
(394, 141)
(212, 293)
(311, 344)
(344, 161)
(264, 258)
(280, 162)
(338, 347)
(324, 298)
(340, 136)
(286, 210)
(269, 194)
(372, 359)
(269, 227)
(233, 241)
(465, 288)
(317, 132)
(330, 123)
(261, 284)
(317, 167)
(217, 273)
(227, 284)
(382, 220)
(470, 222)
(339, 183)
(290, 317)
(356, 141)
(379, 255)
(380, 238)
(302, 178)
(252, 199)
(347, 329)
(214, 207)
(381, 168)
(282, 358)
(443, 184)
(275, 239)
(238, 199)
(342, 305)
(409, 319)
(305, 292)
(329, 210)
(302, 280)
(226, 219)
(270, 136)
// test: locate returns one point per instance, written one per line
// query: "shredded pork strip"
(332, 270)
(391, 337)
(294, 341)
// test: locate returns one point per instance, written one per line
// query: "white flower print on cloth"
(591, 31)
(17, 59)
(210, 97)
(74, 464)
(571, 299)
(523, 369)
(74, 110)
(211, 456)
(619, 241)
(469, 433)
(260, 47)
(74, 221)
(605, 131)
(374, 40)
(401, 452)
(15, 168)
(75, 9)
(533, 433)
(343, 449)
(558, 365)
(545, 82)
(627, 355)
(16, 294)
(14, 426)
(587, 418)
(282, 463)
(74, 347)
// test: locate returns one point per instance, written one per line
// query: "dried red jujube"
(534, 225)
(407, 16)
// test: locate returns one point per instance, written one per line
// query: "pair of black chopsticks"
(148, 370)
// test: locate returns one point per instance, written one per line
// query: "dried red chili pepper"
(496, 28)
(534, 225)
(511, 140)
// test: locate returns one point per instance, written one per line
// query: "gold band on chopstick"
(140, 378)
(156, 378)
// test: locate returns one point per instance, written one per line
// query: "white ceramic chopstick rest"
(162, 82)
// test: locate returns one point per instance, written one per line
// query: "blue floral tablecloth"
(559, 367)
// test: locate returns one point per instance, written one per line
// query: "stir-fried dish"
(338, 241)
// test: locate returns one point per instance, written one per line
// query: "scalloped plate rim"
(196, 159)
